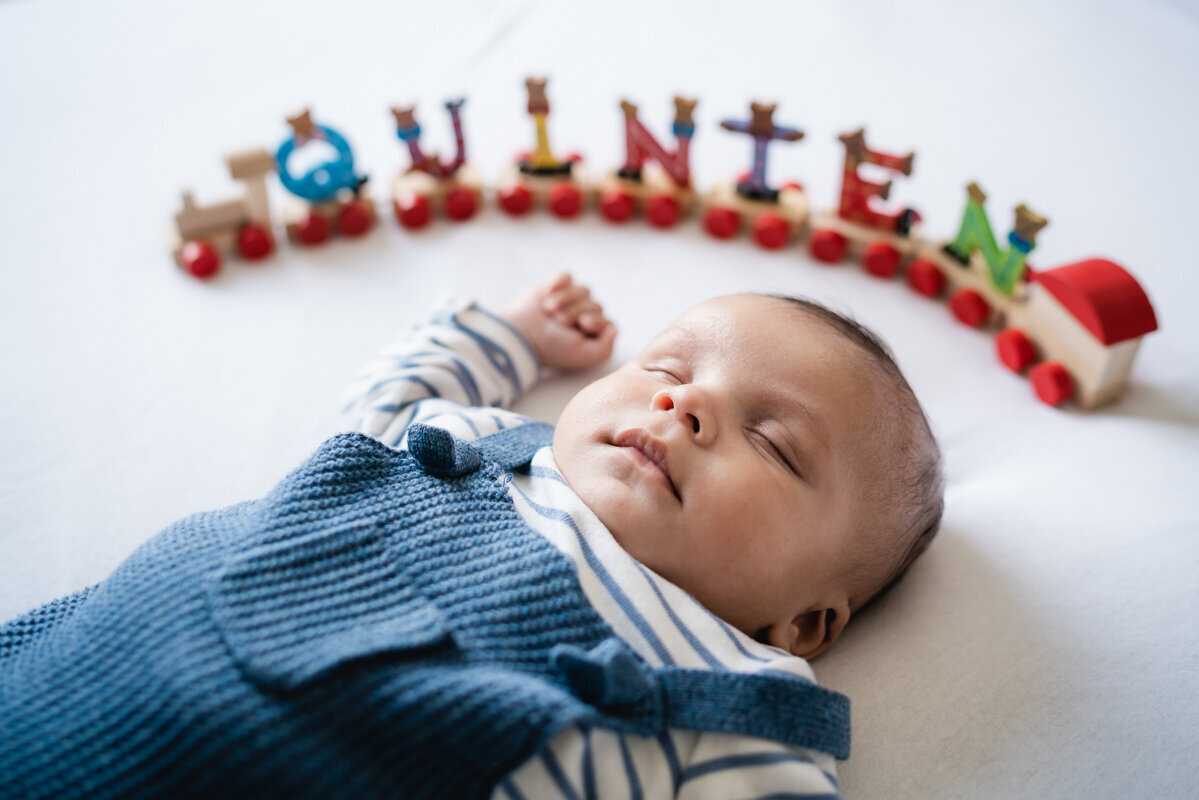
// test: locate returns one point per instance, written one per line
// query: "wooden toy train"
(1075, 328)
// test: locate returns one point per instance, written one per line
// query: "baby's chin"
(606, 497)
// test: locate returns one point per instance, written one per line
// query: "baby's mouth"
(651, 451)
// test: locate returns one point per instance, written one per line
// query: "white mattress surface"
(1046, 645)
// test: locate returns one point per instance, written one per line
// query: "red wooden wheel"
(925, 277)
(461, 204)
(662, 211)
(1051, 382)
(969, 307)
(313, 229)
(771, 231)
(565, 200)
(1014, 349)
(254, 242)
(516, 199)
(721, 222)
(413, 211)
(354, 219)
(827, 246)
(616, 206)
(200, 259)
(881, 259)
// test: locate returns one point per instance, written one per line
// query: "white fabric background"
(1045, 646)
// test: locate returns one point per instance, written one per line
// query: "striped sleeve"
(464, 357)
(726, 765)
(588, 763)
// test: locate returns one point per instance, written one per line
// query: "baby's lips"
(654, 451)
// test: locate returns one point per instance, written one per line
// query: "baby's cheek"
(741, 493)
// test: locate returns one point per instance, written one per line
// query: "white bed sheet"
(1045, 646)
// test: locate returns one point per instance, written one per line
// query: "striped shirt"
(462, 371)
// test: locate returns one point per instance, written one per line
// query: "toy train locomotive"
(1075, 329)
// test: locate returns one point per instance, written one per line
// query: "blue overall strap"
(785, 708)
(515, 447)
(780, 707)
(441, 454)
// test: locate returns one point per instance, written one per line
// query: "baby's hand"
(567, 329)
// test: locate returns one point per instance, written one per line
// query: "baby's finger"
(557, 283)
(596, 349)
(592, 320)
(570, 313)
(566, 297)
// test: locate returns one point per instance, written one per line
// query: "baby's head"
(766, 455)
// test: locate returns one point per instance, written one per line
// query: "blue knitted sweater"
(383, 623)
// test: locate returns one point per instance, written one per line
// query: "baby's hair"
(920, 504)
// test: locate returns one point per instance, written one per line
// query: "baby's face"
(731, 457)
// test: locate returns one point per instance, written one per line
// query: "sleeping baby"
(459, 602)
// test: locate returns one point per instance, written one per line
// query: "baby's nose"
(665, 400)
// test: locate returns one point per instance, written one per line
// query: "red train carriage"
(1085, 322)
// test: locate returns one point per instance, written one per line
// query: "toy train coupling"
(962, 260)
(562, 168)
(629, 174)
(751, 191)
(906, 220)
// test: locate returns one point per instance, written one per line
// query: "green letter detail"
(1006, 267)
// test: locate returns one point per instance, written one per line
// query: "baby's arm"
(467, 356)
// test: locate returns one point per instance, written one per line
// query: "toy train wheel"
(770, 231)
(969, 307)
(662, 211)
(721, 222)
(354, 219)
(827, 246)
(1014, 349)
(313, 229)
(461, 204)
(516, 200)
(200, 259)
(925, 277)
(413, 211)
(881, 259)
(255, 242)
(616, 206)
(565, 201)
(1051, 382)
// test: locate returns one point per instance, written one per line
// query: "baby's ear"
(810, 632)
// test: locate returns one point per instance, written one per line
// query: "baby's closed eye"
(771, 449)
(675, 373)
